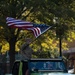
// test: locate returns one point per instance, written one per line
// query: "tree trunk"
(60, 46)
(12, 53)
(74, 66)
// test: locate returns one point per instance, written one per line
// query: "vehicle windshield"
(46, 66)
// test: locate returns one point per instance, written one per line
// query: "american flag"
(37, 29)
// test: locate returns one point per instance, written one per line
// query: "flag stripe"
(36, 31)
(18, 23)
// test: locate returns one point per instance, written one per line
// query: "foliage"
(38, 11)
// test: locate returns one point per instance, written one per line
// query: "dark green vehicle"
(47, 67)
(41, 66)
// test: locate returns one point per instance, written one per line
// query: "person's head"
(28, 40)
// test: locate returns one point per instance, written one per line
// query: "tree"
(62, 10)
(36, 11)
(64, 20)
(17, 9)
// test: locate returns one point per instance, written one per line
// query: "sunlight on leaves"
(45, 45)
(64, 46)
(5, 48)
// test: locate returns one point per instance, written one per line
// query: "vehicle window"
(46, 65)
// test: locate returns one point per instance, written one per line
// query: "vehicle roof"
(46, 59)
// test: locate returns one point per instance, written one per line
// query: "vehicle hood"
(55, 73)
